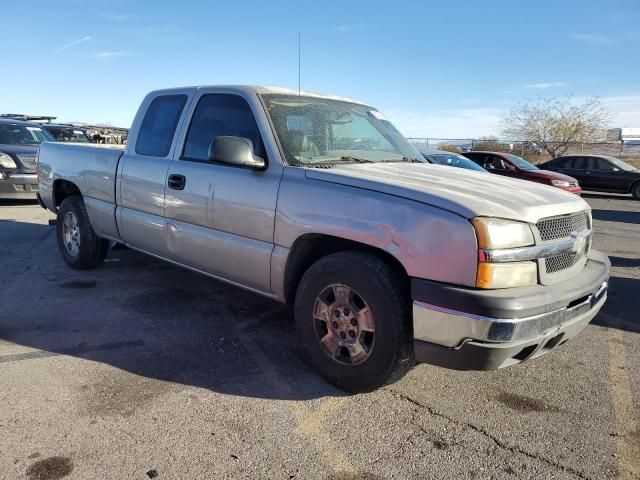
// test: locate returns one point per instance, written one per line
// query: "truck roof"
(263, 90)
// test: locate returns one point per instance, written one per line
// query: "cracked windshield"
(315, 131)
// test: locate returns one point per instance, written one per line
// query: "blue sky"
(438, 69)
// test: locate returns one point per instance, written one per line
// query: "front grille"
(562, 262)
(553, 228)
(29, 161)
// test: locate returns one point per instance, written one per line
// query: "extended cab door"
(220, 218)
(142, 172)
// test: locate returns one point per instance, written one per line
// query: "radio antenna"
(299, 62)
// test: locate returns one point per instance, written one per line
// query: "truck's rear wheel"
(80, 247)
(353, 318)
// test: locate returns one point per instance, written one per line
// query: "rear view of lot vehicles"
(67, 133)
(599, 173)
(19, 143)
(512, 166)
(320, 202)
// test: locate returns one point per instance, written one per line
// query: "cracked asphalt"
(144, 370)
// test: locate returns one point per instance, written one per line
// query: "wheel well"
(63, 189)
(633, 185)
(311, 247)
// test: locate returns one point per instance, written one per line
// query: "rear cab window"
(159, 125)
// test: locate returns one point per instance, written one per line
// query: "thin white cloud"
(543, 85)
(477, 122)
(591, 38)
(453, 123)
(84, 39)
(624, 109)
(109, 54)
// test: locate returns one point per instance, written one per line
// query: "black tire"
(635, 190)
(382, 290)
(91, 249)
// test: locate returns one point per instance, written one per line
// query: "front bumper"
(474, 329)
(574, 190)
(19, 186)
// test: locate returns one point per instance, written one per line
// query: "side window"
(580, 163)
(159, 125)
(603, 165)
(493, 163)
(589, 163)
(220, 115)
(562, 163)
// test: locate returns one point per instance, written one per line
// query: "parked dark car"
(513, 166)
(599, 172)
(67, 133)
(19, 143)
(442, 157)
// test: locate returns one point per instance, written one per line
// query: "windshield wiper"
(338, 160)
(349, 158)
(401, 160)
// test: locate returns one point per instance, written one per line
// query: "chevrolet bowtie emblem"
(579, 241)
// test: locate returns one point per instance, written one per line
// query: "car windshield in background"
(316, 131)
(521, 163)
(455, 160)
(12, 134)
(621, 165)
(68, 134)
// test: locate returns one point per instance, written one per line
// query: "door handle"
(176, 182)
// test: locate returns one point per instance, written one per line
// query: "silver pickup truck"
(320, 202)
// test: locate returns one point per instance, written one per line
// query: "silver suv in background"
(19, 142)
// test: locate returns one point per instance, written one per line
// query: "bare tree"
(554, 124)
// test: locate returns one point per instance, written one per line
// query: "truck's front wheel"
(353, 316)
(80, 247)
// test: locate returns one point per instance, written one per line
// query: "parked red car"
(513, 166)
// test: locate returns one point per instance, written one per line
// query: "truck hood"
(465, 192)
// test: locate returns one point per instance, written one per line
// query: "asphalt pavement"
(143, 370)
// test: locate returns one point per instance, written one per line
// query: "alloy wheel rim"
(71, 234)
(344, 324)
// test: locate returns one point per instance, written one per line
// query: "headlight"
(506, 275)
(560, 183)
(6, 161)
(498, 233)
